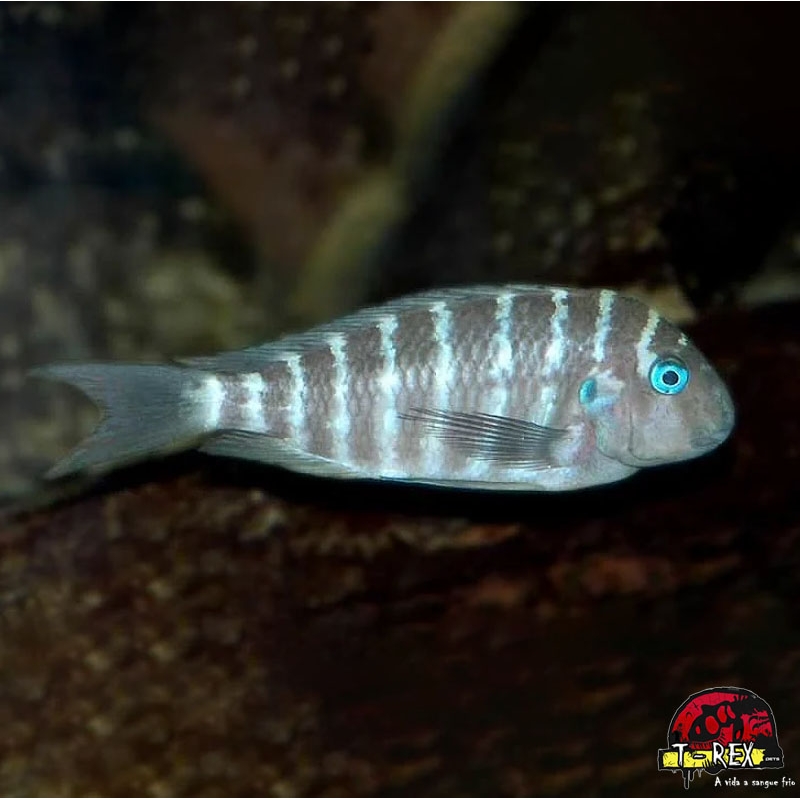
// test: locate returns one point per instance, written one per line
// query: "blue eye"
(669, 375)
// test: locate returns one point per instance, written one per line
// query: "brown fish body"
(509, 387)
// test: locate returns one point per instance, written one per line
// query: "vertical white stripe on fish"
(213, 393)
(444, 371)
(644, 354)
(297, 393)
(254, 389)
(340, 414)
(388, 421)
(502, 354)
(445, 363)
(605, 307)
(554, 356)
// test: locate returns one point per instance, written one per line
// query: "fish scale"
(532, 324)
(416, 357)
(489, 387)
(319, 400)
(367, 356)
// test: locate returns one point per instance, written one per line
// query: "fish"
(506, 387)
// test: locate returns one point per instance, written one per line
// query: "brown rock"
(191, 634)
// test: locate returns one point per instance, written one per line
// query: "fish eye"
(669, 375)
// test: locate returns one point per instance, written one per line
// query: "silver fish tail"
(146, 410)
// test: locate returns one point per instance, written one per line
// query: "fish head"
(683, 411)
(667, 404)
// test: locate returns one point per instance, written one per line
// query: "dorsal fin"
(252, 359)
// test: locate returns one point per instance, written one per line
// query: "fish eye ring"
(669, 375)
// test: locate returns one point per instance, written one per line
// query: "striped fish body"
(509, 387)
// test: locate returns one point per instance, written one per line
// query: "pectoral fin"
(503, 441)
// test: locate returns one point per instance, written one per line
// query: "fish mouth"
(709, 441)
(632, 460)
(700, 444)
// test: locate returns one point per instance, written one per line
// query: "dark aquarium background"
(178, 179)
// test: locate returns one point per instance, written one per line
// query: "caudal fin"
(146, 409)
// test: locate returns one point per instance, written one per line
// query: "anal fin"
(272, 450)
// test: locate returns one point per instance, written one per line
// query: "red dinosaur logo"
(719, 729)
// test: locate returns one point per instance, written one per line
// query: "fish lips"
(709, 440)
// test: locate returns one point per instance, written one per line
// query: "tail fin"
(147, 410)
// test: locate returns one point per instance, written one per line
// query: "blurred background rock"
(177, 179)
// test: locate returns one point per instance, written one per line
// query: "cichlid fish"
(491, 387)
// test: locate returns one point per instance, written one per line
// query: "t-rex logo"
(718, 729)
